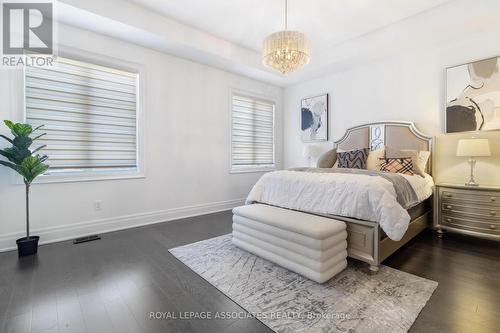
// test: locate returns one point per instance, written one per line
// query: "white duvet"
(364, 197)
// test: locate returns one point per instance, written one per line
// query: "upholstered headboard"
(394, 134)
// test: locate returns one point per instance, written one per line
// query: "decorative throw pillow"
(328, 159)
(397, 165)
(410, 153)
(353, 159)
(373, 160)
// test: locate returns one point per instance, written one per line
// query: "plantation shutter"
(89, 113)
(252, 141)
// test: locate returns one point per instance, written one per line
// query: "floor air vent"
(86, 239)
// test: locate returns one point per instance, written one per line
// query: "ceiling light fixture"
(286, 50)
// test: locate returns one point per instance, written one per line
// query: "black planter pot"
(27, 246)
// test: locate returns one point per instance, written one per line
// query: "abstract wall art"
(473, 96)
(314, 118)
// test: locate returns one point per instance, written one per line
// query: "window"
(89, 113)
(252, 134)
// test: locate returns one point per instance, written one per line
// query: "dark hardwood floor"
(113, 284)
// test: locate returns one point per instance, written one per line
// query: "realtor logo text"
(27, 33)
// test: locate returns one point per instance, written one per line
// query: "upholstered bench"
(310, 245)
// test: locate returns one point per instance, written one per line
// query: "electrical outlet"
(97, 205)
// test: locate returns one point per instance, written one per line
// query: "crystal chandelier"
(285, 50)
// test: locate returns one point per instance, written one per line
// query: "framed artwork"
(314, 118)
(473, 96)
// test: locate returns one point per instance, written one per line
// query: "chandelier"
(285, 50)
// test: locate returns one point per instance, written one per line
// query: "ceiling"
(325, 22)
(227, 34)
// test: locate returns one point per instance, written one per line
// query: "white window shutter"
(252, 132)
(89, 113)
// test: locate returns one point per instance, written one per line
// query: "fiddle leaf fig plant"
(22, 159)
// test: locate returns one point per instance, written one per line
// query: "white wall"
(187, 151)
(397, 73)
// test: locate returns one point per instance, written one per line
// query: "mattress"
(363, 195)
(415, 212)
(420, 209)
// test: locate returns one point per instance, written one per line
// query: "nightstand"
(467, 210)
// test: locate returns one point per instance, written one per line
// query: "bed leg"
(373, 268)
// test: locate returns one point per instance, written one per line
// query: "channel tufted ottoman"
(310, 245)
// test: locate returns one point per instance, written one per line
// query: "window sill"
(68, 177)
(252, 170)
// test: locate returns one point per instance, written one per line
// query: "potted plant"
(29, 165)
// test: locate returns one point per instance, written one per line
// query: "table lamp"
(310, 151)
(472, 148)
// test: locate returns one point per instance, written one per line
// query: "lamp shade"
(473, 148)
(310, 151)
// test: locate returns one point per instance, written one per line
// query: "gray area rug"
(352, 301)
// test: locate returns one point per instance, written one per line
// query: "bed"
(366, 239)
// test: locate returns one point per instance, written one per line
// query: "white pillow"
(373, 160)
(423, 158)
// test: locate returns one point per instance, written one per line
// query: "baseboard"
(66, 232)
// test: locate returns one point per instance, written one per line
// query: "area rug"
(353, 301)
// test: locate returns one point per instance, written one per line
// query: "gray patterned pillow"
(353, 159)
